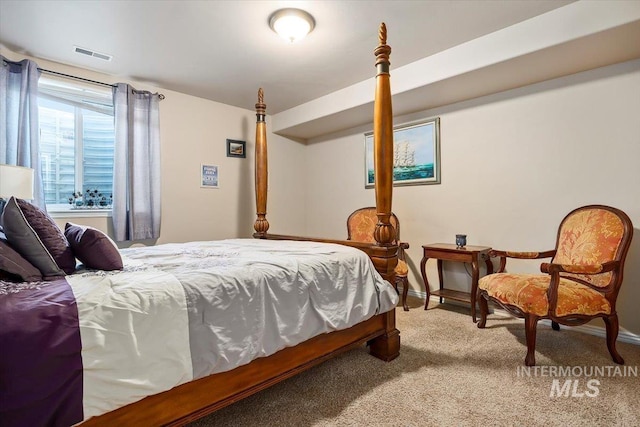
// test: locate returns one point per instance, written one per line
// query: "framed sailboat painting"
(416, 154)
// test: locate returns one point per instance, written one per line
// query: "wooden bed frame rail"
(196, 399)
(193, 400)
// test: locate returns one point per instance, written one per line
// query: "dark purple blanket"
(40, 355)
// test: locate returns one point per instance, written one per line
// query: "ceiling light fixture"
(291, 24)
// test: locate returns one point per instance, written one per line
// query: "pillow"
(93, 248)
(14, 264)
(33, 233)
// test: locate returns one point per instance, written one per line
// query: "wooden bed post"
(384, 233)
(386, 346)
(261, 225)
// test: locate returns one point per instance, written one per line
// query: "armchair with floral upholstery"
(360, 226)
(581, 282)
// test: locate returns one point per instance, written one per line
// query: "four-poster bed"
(194, 399)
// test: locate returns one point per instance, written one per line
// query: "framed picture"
(416, 154)
(209, 177)
(236, 148)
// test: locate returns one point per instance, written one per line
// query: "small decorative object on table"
(92, 199)
(461, 240)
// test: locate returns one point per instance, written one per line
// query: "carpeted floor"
(450, 373)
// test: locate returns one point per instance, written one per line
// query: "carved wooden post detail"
(387, 346)
(261, 225)
(384, 233)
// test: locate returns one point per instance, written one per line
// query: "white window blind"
(76, 141)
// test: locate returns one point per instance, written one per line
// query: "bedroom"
(513, 164)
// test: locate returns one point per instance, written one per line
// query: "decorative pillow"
(37, 238)
(14, 264)
(93, 248)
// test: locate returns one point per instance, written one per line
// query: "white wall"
(288, 178)
(513, 165)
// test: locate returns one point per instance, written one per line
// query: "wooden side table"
(450, 252)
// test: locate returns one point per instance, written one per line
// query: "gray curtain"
(19, 130)
(136, 174)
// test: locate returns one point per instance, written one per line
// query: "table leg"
(426, 281)
(440, 278)
(474, 286)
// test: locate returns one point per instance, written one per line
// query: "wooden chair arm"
(503, 255)
(555, 269)
(522, 255)
(550, 268)
(401, 248)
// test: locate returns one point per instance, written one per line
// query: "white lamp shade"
(16, 181)
(292, 24)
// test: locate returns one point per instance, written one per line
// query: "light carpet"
(450, 373)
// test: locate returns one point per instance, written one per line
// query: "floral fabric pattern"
(590, 237)
(362, 224)
(401, 269)
(528, 292)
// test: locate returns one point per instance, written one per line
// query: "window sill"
(78, 213)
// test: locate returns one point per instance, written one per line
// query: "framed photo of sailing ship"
(416, 154)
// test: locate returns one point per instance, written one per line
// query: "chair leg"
(530, 324)
(555, 326)
(611, 324)
(405, 291)
(484, 310)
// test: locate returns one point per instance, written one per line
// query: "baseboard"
(623, 336)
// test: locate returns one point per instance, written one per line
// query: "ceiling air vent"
(90, 52)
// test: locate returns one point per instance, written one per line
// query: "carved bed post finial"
(383, 51)
(261, 224)
(382, 33)
(385, 233)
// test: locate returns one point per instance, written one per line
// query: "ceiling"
(224, 50)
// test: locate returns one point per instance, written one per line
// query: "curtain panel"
(19, 127)
(136, 177)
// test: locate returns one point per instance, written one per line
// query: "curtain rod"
(43, 70)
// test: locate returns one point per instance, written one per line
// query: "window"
(76, 142)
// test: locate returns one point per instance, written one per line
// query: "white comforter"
(179, 312)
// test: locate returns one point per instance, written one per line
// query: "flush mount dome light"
(291, 24)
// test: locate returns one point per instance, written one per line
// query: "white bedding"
(183, 311)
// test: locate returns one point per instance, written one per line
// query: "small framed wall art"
(209, 177)
(236, 148)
